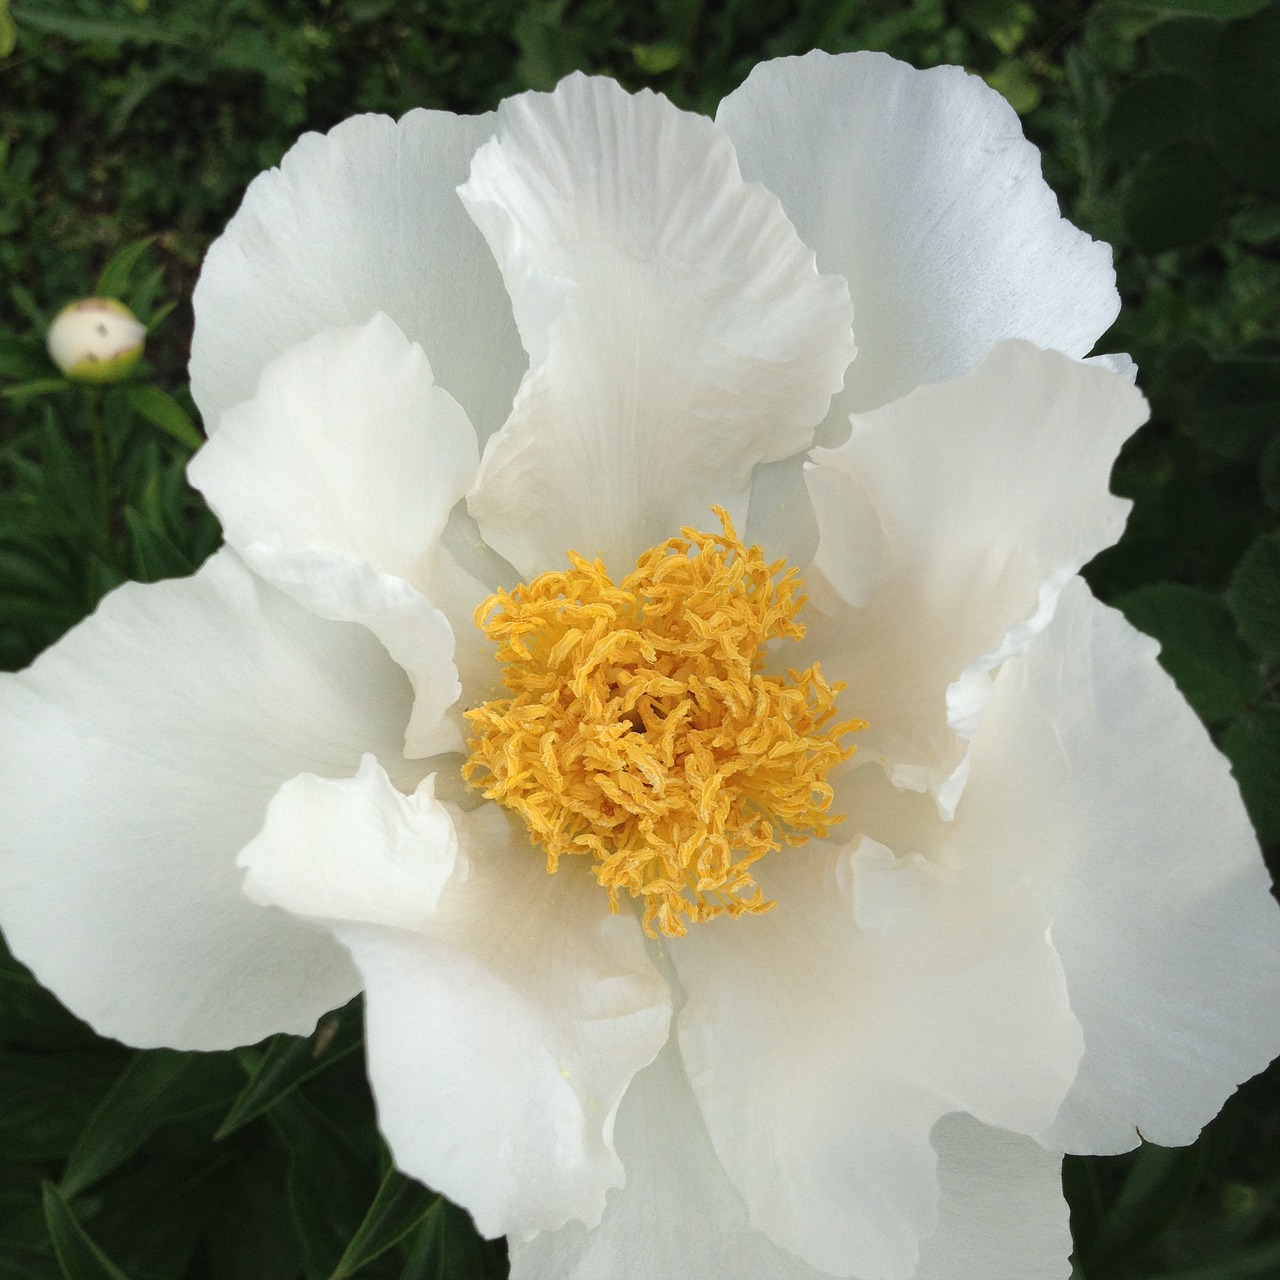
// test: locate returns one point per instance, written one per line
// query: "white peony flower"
(729, 1035)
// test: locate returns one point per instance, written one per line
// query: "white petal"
(1118, 362)
(825, 1038)
(335, 483)
(1001, 1215)
(402, 848)
(457, 591)
(416, 634)
(919, 188)
(360, 220)
(138, 757)
(1092, 779)
(506, 1010)
(948, 523)
(678, 1216)
(677, 329)
(780, 516)
(347, 445)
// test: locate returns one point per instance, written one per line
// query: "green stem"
(102, 469)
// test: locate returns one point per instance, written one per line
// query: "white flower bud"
(96, 340)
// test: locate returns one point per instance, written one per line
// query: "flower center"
(642, 732)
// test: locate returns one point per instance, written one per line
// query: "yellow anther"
(642, 732)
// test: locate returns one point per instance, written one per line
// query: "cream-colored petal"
(1094, 782)
(138, 757)
(948, 523)
(677, 329)
(361, 220)
(506, 1010)
(919, 188)
(336, 481)
(676, 1218)
(825, 1039)
(1001, 1215)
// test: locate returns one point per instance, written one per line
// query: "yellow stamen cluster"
(642, 732)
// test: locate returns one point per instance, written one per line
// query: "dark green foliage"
(1255, 596)
(400, 1209)
(155, 1089)
(444, 1248)
(78, 1256)
(287, 1061)
(128, 134)
(1252, 744)
(1199, 646)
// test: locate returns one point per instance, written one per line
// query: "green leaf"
(153, 554)
(48, 1098)
(1252, 745)
(142, 83)
(22, 1208)
(151, 1214)
(1199, 646)
(549, 49)
(142, 293)
(24, 359)
(332, 1175)
(36, 387)
(1177, 197)
(447, 1247)
(1157, 1188)
(1154, 111)
(1269, 473)
(114, 279)
(23, 568)
(78, 1256)
(157, 1087)
(290, 1060)
(1223, 10)
(1246, 1262)
(1236, 407)
(93, 30)
(252, 52)
(8, 31)
(24, 300)
(1183, 47)
(1255, 596)
(160, 314)
(251, 1236)
(17, 1263)
(1246, 101)
(161, 410)
(1258, 223)
(399, 1207)
(1013, 80)
(654, 59)
(1004, 22)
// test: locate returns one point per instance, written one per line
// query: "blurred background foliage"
(128, 133)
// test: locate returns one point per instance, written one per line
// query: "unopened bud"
(96, 340)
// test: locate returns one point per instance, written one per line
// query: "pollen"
(642, 731)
